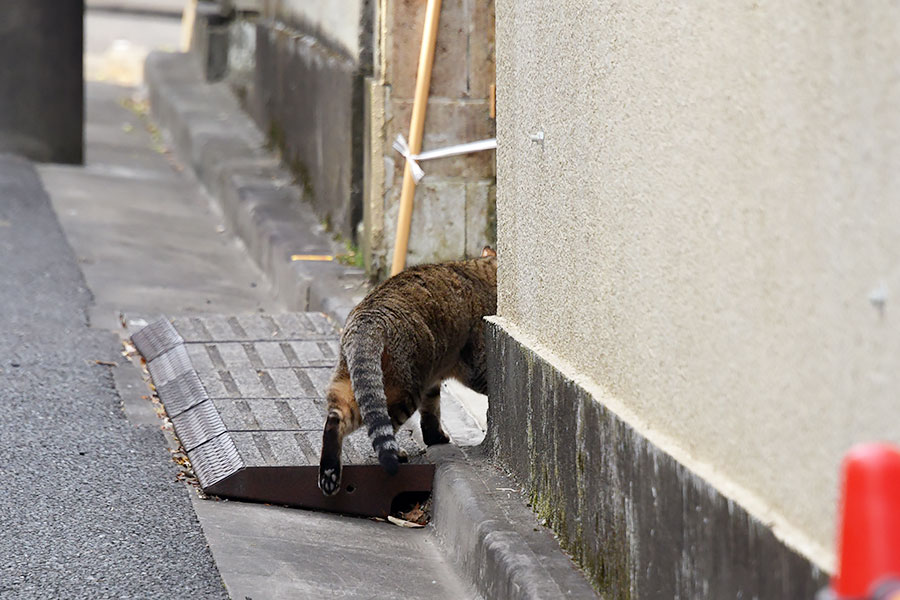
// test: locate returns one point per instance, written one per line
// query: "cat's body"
(410, 333)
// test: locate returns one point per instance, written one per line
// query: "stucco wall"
(705, 232)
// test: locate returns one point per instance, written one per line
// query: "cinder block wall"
(307, 96)
(333, 85)
(454, 204)
(707, 244)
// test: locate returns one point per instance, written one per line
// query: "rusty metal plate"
(366, 490)
(246, 396)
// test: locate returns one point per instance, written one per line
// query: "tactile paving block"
(246, 395)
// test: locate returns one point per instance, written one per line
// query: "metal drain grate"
(246, 396)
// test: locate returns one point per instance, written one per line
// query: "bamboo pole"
(416, 128)
(188, 16)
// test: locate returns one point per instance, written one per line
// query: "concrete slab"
(189, 265)
(283, 553)
(481, 520)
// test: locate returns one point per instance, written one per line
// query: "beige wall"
(700, 236)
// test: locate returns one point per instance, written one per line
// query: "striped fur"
(363, 354)
(410, 333)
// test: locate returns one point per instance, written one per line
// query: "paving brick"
(271, 414)
(252, 387)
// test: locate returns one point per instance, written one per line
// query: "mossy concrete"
(638, 522)
(308, 95)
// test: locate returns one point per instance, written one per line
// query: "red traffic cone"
(869, 542)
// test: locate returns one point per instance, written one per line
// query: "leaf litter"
(178, 454)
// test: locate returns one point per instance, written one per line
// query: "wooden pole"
(416, 128)
(188, 16)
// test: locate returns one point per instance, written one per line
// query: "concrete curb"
(260, 201)
(495, 540)
(482, 522)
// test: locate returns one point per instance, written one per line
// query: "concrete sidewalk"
(202, 219)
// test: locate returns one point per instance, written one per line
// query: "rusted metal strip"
(366, 490)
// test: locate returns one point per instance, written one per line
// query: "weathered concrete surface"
(453, 214)
(128, 188)
(483, 524)
(307, 97)
(285, 553)
(42, 104)
(338, 21)
(258, 197)
(640, 524)
(710, 230)
(331, 84)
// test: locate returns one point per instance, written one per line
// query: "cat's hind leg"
(343, 418)
(472, 367)
(401, 405)
(430, 413)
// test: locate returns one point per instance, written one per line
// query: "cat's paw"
(389, 461)
(330, 480)
(434, 436)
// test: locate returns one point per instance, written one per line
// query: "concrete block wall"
(307, 91)
(454, 204)
(332, 84)
(640, 523)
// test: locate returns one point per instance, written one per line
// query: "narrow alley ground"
(150, 242)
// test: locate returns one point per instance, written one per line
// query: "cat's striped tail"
(364, 363)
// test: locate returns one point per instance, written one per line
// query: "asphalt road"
(90, 507)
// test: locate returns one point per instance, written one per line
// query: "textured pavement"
(90, 505)
(137, 223)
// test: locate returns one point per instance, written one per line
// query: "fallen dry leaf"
(416, 515)
(404, 523)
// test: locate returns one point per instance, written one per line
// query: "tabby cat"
(411, 332)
